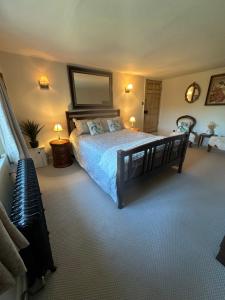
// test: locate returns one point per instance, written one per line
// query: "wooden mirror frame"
(74, 69)
(196, 87)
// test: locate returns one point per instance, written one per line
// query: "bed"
(114, 160)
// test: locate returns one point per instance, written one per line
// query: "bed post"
(120, 178)
(183, 153)
(119, 197)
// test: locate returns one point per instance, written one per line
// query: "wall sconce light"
(128, 88)
(132, 120)
(58, 128)
(43, 82)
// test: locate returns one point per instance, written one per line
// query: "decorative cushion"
(95, 127)
(184, 125)
(104, 124)
(115, 124)
(81, 126)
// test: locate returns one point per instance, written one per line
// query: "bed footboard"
(146, 159)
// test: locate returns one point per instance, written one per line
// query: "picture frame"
(216, 90)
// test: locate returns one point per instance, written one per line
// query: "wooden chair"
(186, 123)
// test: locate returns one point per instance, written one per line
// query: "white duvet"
(98, 154)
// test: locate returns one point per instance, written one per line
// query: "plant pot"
(210, 131)
(34, 144)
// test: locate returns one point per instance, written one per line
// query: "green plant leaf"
(31, 129)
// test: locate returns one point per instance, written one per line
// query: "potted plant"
(31, 129)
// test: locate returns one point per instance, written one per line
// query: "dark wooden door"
(152, 105)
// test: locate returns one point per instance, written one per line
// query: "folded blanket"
(218, 141)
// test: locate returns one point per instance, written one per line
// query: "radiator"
(27, 213)
(221, 254)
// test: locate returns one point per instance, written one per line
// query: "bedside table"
(135, 129)
(39, 157)
(61, 152)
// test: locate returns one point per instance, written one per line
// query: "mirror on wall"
(90, 88)
(192, 92)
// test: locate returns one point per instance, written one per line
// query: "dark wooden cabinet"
(61, 152)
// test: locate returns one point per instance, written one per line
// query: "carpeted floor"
(162, 245)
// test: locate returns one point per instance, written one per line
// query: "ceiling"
(154, 38)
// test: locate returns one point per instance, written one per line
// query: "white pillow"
(120, 120)
(81, 126)
(95, 127)
(114, 125)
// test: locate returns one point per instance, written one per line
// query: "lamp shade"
(128, 88)
(132, 119)
(58, 127)
(44, 82)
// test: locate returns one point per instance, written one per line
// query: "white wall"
(1, 146)
(48, 107)
(28, 100)
(130, 104)
(174, 105)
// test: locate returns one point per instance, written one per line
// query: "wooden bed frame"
(153, 157)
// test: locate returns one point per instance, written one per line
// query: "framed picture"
(216, 90)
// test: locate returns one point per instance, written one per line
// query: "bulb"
(58, 127)
(132, 119)
(130, 86)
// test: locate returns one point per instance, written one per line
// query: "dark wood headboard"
(89, 114)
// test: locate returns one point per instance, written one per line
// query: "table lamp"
(58, 128)
(132, 120)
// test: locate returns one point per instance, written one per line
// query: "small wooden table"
(61, 152)
(202, 136)
(135, 129)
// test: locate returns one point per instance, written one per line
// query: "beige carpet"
(161, 246)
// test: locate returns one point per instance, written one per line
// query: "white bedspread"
(98, 154)
(218, 141)
(108, 162)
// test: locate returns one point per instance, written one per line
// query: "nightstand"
(39, 156)
(135, 129)
(61, 152)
